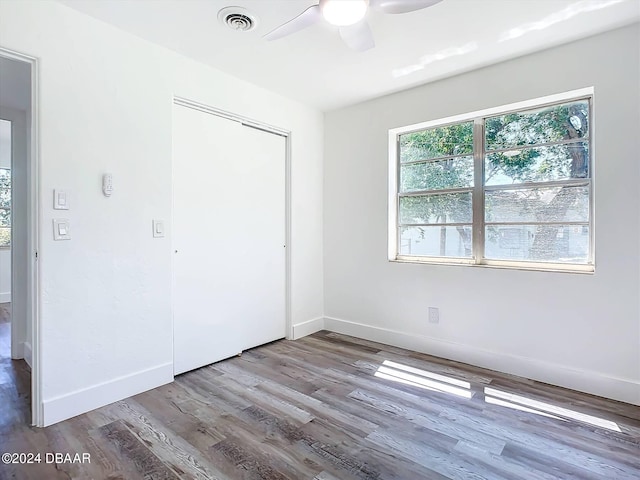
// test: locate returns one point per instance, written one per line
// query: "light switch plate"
(60, 200)
(107, 184)
(158, 228)
(61, 229)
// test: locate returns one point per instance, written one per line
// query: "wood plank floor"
(330, 407)
(15, 382)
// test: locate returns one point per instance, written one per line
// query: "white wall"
(580, 331)
(106, 100)
(5, 275)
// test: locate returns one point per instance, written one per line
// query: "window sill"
(588, 269)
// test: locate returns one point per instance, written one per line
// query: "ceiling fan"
(348, 15)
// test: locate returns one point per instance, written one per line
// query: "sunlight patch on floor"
(517, 401)
(417, 377)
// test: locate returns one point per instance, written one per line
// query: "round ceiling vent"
(238, 19)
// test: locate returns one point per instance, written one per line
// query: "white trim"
(488, 112)
(287, 238)
(27, 353)
(17, 352)
(499, 264)
(392, 198)
(307, 328)
(5, 297)
(596, 383)
(35, 219)
(37, 404)
(81, 401)
(185, 102)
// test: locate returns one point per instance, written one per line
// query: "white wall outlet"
(61, 229)
(158, 228)
(434, 315)
(60, 200)
(107, 184)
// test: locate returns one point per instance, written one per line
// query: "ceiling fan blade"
(401, 6)
(358, 36)
(307, 18)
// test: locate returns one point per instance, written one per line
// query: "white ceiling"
(315, 67)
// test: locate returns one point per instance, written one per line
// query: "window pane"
(5, 198)
(552, 204)
(5, 218)
(444, 208)
(452, 173)
(437, 142)
(436, 241)
(549, 124)
(5, 183)
(5, 178)
(5, 237)
(540, 243)
(540, 164)
(5, 188)
(5, 148)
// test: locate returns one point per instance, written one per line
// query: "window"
(510, 186)
(5, 207)
(5, 183)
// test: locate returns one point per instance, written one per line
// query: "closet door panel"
(228, 235)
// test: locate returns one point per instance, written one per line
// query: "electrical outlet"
(434, 315)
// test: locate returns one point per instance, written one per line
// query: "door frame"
(33, 235)
(250, 122)
(18, 120)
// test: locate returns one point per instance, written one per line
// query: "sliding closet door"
(228, 237)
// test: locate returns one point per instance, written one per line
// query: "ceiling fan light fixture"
(343, 12)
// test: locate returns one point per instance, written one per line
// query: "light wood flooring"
(330, 407)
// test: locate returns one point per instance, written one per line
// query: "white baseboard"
(18, 352)
(82, 401)
(5, 297)
(595, 383)
(307, 328)
(27, 353)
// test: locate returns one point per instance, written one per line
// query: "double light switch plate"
(61, 226)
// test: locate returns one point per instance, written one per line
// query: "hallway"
(15, 381)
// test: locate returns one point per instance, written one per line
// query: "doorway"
(18, 239)
(229, 235)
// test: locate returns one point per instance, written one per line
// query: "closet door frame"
(249, 122)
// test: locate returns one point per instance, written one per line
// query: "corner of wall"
(307, 328)
(27, 353)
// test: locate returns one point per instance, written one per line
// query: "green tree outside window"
(5, 207)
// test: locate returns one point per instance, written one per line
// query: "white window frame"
(478, 117)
